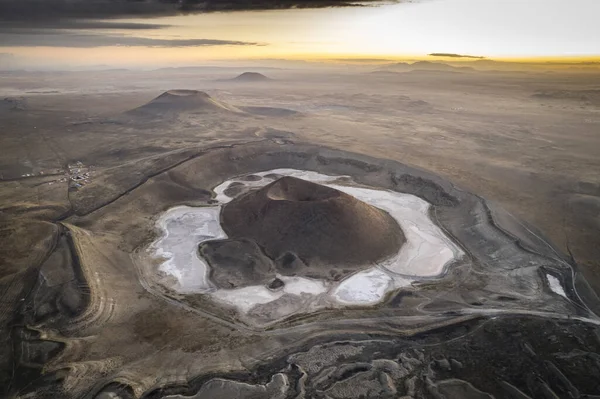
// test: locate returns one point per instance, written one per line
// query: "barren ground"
(528, 142)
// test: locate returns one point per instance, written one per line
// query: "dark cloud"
(76, 24)
(96, 23)
(51, 38)
(452, 55)
(61, 10)
(36, 10)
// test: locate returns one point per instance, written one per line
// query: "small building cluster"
(78, 174)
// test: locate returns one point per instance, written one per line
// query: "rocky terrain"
(442, 246)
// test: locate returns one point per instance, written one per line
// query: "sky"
(498, 29)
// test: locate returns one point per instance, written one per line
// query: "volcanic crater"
(300, 223)
(184, 100)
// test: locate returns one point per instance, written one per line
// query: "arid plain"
(90, 160)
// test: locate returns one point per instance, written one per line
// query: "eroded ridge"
(429, 365)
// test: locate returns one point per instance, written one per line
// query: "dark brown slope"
(320, 225)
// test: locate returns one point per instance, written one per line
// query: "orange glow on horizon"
(390, 33)
(140, 56)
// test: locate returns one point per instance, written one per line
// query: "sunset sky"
(492, 28)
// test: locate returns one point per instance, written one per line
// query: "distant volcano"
(178, 101)
(250, 77)
(295, 219)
